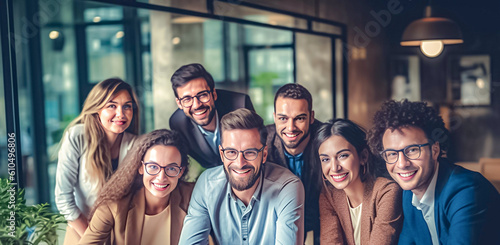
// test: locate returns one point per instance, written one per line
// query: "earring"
(324, 179)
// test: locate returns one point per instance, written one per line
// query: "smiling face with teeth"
(201, 113)
(117, 114)
(414, 175)
(341, 164)
(293, 119)
(159, 186)
(243, 175)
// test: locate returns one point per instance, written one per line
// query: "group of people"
(296, 179)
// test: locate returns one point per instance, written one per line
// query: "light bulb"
(176, 40)
(431, 48)
(53, 34)
(480, 82)
(119, 34)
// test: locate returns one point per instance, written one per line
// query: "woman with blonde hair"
(92, 147)
(146, 201)
(356, 206)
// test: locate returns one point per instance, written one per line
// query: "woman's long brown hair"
(127, 180)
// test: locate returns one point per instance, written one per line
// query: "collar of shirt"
(428, 197)
(213, 138)
(426, 205)
(295, 163)
(274, 215)
(256, 194)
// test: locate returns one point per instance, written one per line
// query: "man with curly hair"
(442, 203)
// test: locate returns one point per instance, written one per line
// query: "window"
(251, 51)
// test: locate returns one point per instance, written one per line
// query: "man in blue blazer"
(201, 107)
(442, 203)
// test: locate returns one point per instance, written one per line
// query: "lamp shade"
(431, 28)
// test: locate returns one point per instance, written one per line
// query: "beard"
(211, 116)
(243, 184)
(293, 145)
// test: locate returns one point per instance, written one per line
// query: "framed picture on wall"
(469, 80)
(404, 75)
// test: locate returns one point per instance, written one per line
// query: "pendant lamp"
(431, 34)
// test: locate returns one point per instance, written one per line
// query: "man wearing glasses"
(200, 109)
(442, 203)
(247, 200)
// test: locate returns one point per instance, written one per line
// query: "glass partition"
(269, 69)
(3, 126)
(87, 42)
(193, 5)
(314, 71)
(105, 50)
(257, 15)
(326, 28)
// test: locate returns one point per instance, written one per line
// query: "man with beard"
(290, 145)
(442, 203)
(247, 200)
(200, 109)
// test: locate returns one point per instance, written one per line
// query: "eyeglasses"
(248, 154)
(411, 152)
(153, 168)
(203, 97)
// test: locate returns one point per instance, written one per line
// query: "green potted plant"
(25, 224)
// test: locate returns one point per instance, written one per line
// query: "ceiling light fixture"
(431, 34)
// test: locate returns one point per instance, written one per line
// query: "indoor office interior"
(348, 54)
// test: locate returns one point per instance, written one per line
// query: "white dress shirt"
(426, 205)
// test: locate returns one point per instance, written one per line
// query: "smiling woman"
(356, 207)
(146, 201)
(93, 146)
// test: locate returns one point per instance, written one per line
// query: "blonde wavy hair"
(97, 152)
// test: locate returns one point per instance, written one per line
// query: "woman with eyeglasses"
(146, 200)
(356, 207)
(92, 147)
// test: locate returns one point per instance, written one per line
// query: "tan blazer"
(121, 222)
(381, 214)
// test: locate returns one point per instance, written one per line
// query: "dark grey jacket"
(199, 149)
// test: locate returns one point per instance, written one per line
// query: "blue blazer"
(466, 210)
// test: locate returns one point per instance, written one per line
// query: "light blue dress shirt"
(212, 138)
(275, 214)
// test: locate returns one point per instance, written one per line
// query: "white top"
(356, 221)
(156, 228)
(74, 193)
(426, 205)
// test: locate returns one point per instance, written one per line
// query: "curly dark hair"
(399, 114)
(127, 180)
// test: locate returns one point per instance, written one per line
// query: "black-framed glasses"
(153, 168)
(203, 97)
(248, 154)
(411, 152)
